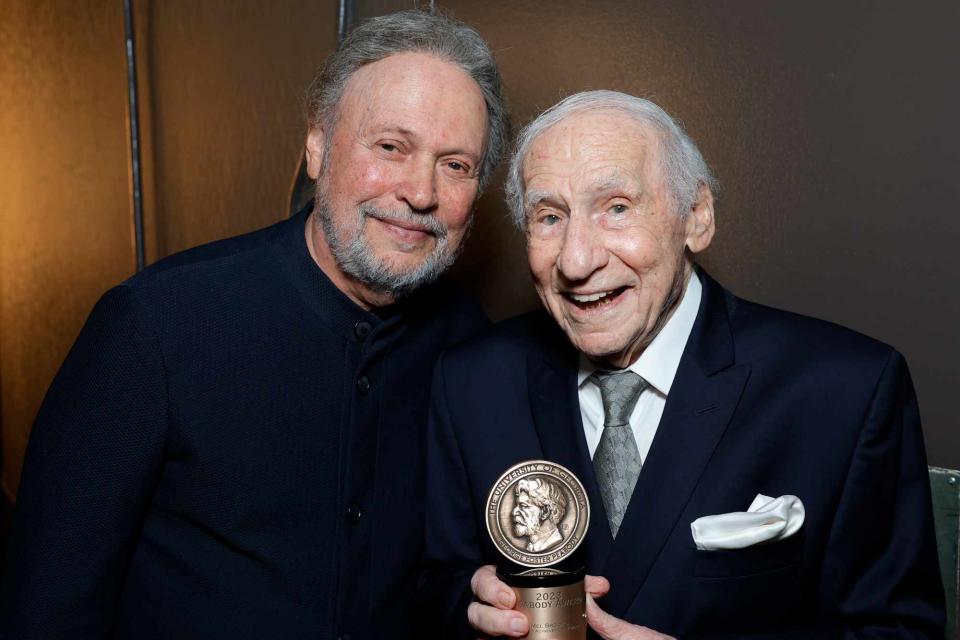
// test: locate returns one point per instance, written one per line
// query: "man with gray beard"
(234, 446)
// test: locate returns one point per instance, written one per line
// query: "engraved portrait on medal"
(537, 513)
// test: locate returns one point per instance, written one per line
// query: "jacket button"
(363, 385)
(362, 329)
(353, 513)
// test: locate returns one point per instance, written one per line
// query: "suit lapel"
(702, 400)
(554, 401)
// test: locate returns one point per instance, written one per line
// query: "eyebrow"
(599, 187)
(395, 129)
(535, 197)
(603, 187)
(403, 131)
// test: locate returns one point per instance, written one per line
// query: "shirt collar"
(659, 362)
(338, 312)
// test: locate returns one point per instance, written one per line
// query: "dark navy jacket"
(232, 449)
(763, 402)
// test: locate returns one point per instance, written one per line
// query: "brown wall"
(225, 82)
(221, 87)
(831, 126)
(65, 226)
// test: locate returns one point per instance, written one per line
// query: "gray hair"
(683, 165)
(417, 31)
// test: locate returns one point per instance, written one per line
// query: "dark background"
(832, 128)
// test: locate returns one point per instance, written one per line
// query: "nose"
(418, 187)
(582, 251)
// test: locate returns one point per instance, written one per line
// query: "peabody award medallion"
(537, 516)
(537, 513)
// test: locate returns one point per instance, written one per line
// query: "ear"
(315, 144)
(700, 225)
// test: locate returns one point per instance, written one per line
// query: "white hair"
(684, 168)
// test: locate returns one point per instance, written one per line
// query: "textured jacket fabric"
(764, 402)
(232, 449)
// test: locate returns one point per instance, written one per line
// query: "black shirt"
(232, 449)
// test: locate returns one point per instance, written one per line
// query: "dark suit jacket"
(763, 402)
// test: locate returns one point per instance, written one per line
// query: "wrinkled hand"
(611, 628)
(492, 613)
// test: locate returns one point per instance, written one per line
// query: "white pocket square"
(766, 520)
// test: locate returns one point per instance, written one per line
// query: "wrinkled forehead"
(419, 92)
(599, 148)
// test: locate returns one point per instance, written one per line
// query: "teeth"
(593, 297)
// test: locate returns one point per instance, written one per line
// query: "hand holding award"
(537, 516)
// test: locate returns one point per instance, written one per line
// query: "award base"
(554, 602)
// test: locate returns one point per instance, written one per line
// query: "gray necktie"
(617, 459)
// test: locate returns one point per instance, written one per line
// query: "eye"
(458, 167)
(619, 208)
(550, 219)
(389, 147)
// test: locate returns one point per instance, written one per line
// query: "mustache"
(423, 220)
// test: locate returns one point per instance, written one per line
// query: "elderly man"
(751, 472)
(234, 446)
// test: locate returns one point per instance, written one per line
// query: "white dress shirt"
(657, 365)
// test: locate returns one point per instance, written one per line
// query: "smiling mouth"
(406, 223)
(594, 300)
(406, 226)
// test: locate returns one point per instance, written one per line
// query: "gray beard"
(357, 259)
